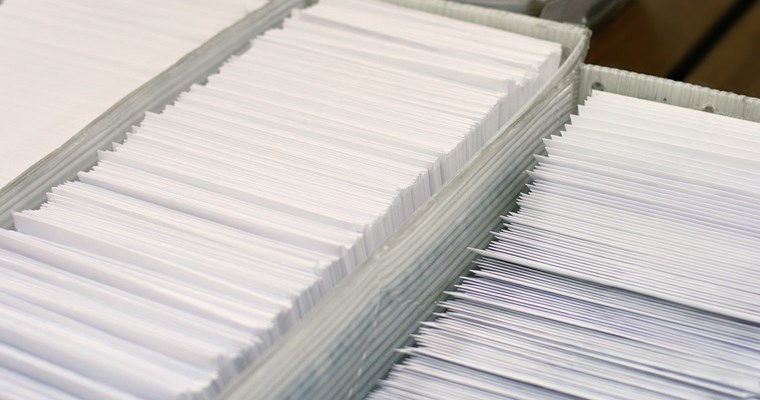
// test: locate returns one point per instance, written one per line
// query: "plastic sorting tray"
(667, 91)
(346, 343)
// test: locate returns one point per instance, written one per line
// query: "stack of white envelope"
(73, 60)
(194, 245)
(630, 270)
(75, 75)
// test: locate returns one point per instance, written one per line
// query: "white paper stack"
(76, 75)
(194, 245)
(73, 60)
(630, 270)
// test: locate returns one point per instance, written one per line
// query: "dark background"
(714, 43)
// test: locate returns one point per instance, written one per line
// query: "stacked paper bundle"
(189, 249)
(76, 75)
(630, 271)
(73, 60)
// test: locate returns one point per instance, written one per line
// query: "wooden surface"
(734, 63)
(653, 36)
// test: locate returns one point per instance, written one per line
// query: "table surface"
(714, 43)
